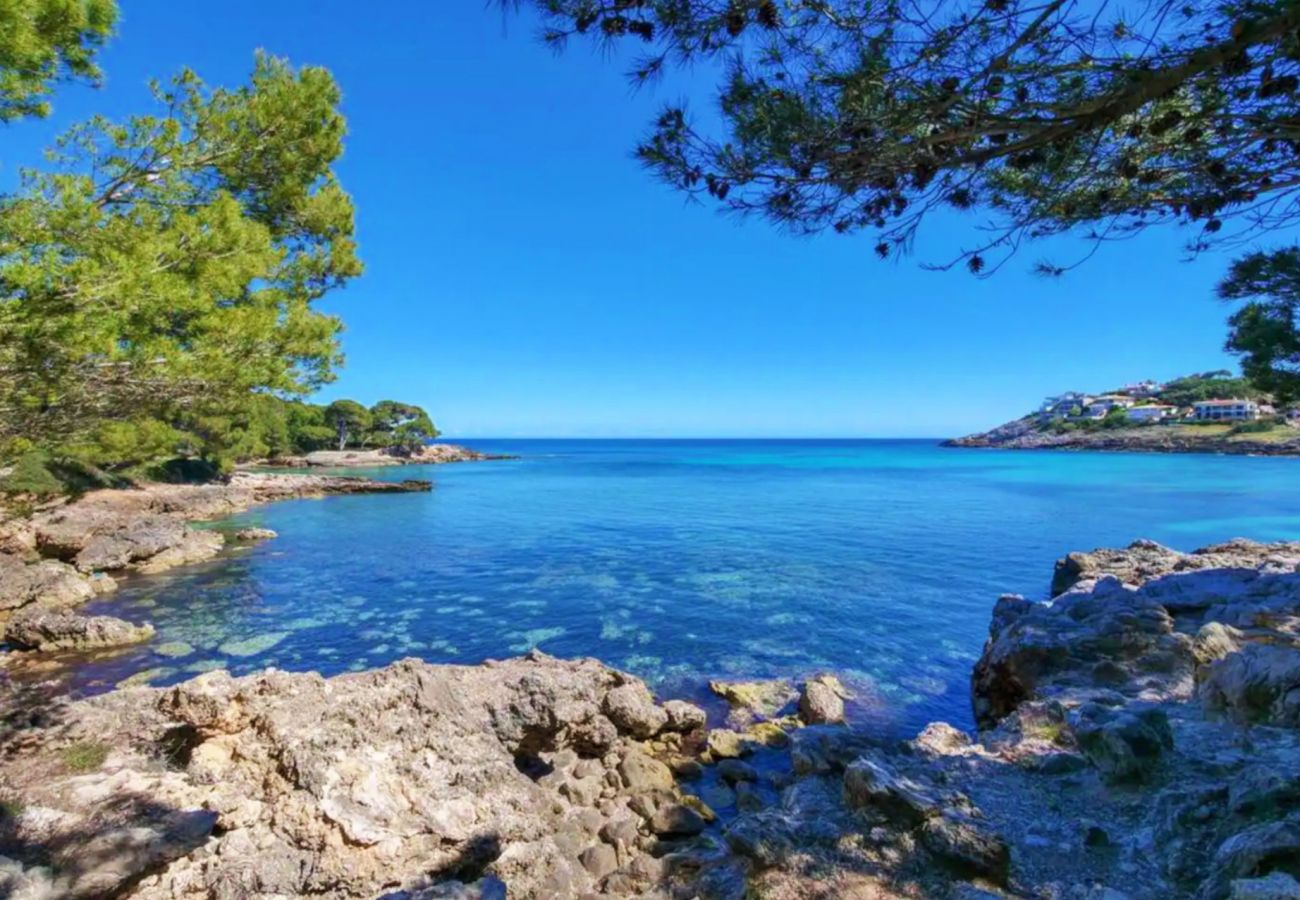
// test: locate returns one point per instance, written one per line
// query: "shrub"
(84, 756)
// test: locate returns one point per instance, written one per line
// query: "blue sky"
(526, 278)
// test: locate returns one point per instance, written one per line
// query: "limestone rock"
(684, 717)
(255, 534)
(822, 701)
(44, 629)
(968, 846)
(1259, 683)
(631, 708)
(47, 582)
(1123, 744)
(871, 785)
(765, 699)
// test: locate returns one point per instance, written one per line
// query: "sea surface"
(686, 560)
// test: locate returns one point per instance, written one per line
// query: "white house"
(1098, 407)
(1061, 405)
(1151, 412)
(1143, 389)
(1225, 410)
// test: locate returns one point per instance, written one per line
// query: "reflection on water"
(685, 560)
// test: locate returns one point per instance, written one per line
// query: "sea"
(686, 560)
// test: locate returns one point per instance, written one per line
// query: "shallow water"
(683, 560)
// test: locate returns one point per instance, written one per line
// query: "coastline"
(1139, 736)
(69, 551)
(1020, 435)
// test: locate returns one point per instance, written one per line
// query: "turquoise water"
(683, 560)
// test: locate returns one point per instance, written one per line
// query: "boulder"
(968, 846)
(869, 784)
(402, 779)
(1124, 744)
(631, 708)
(47, 582)
(764, 699)
(684, 717)
(44, 629)
(822, 701)
(255, 534)
(1258, 683)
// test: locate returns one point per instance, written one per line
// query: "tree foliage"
(1265, 330)
(401, 425)
(350, 420)
(46, 41)
(1218, 385)
(167, 269)
(1051, 115)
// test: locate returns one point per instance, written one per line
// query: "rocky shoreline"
(1139, 737)
(431, 454)
(65, 553)
(1023, 435)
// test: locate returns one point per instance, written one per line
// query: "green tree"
(349, 419)
(168, 268)
(1265, 331)
(1048, 115)
(46, 41)
(399, 424)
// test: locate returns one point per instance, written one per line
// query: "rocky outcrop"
(412, 780)
(430, 454)
(40, 628)
(1025, 434)
(1144, 560)
(57, 557)
(46, 582)
(1138, 739)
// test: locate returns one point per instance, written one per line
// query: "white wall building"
(1225, 410)
(1151, 412)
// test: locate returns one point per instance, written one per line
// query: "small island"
(1211, 412)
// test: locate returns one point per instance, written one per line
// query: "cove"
(685, 560)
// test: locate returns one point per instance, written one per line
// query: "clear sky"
(526, 278)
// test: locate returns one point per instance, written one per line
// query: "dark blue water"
(681, 560)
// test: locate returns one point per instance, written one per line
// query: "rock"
(1276, 885)
(726, 744)
(599, 860)
(1214, 641)
(941, 739)
(1049, 649)
(631, 708)
(1259, 683)
(735, 770)
(255, 534)
(684, 717)
(822, 701)
(967, 846)
(870, 785)
(47, 582)
(194, 546)
(1123, 744)
(641, 773)
(398, 779)
(765, 699)
(1136, 564)
(40, 628)
(1252, 853)
(676, 819)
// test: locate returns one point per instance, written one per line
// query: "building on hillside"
(1143, 389)
(1062, 405)
(1151, 412)
(1099, 407)
(1225, 410)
